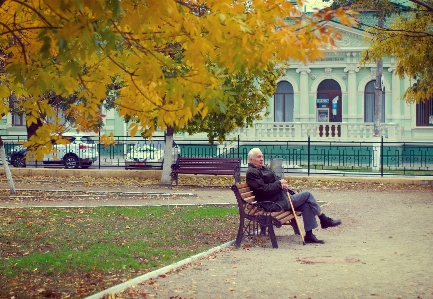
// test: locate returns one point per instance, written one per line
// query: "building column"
(352, 115)
(408, 122)
(304, 103)
(395, 98)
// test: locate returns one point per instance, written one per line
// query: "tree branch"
(23, 48)
(34, 10)
(197, 9)
(409, 32)
(27, 28)
(423, 4)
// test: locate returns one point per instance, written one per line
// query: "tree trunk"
(377, 108)
(378, 90)
(168, 157)
(6, 168)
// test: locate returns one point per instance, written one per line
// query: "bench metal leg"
(271, 232)
(174, 177)
(240, 234)
(273, 237)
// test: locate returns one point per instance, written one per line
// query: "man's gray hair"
(252, 153)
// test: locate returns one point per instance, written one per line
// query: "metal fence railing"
(293, 156)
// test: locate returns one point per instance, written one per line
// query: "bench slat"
(242, 186)
(250, 199)
(287, 218)
(206, 166)
(206, 163)
(206, 173)
(207, 160)
(248, 194)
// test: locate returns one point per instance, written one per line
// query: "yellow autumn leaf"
(133, 129)
(4, 91)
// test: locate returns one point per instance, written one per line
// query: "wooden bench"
(209, 166)
(257, 219)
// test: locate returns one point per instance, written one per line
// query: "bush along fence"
(310, 157)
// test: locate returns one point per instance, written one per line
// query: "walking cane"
(296, 218)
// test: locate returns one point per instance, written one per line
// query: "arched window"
(283, 102)
(424, 113)
(369, 98)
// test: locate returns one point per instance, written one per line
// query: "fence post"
(239, 147)
(99, 150)
(381, 156)
(308, 152)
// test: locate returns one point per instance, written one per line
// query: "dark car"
(17, 156)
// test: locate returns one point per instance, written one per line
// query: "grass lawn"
(74, 252)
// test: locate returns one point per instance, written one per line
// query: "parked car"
(80, 152)
(148, 155)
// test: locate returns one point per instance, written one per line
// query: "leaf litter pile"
(50, 188)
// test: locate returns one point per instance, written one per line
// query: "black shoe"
(329, 222)
(313, 239)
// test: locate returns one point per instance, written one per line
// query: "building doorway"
(328, 107)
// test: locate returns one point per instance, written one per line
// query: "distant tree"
(407, 36)
(409, 40)
(246, 96)
(381, 9)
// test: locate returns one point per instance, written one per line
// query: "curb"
(123, 286)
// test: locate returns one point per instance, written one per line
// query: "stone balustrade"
(317, 131)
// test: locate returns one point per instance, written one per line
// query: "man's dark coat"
(266, 185)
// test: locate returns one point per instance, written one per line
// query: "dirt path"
(382, 250)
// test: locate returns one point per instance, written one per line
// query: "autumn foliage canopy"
(171, 57)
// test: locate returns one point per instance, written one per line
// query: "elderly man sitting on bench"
(267, 186)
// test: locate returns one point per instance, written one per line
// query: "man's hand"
(284, 184)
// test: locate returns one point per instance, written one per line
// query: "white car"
(143, 155)
(80, 152)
